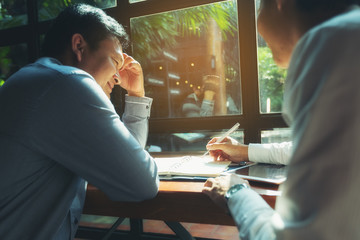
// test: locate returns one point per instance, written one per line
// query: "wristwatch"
(234, 189)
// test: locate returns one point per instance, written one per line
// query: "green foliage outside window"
(5, 62)
(186, 33)
(11, 59)
(271, 81)
(12, 13)
(49, 9)
(152, 34)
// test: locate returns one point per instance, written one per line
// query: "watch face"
(235, 188)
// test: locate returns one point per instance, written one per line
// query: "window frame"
(252, 121)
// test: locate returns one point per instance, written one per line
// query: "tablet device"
(261, 172)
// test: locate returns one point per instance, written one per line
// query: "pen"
(230, 131)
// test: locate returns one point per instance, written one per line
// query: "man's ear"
(78, 45)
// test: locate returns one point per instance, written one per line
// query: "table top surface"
(180, 201)
(177, 200)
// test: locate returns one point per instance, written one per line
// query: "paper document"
(190, 166)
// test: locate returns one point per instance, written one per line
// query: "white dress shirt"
(274, 153)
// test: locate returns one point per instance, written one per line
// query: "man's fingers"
(213, 140)
(209, 182)
(128, 62)
(214, 146)
(206, 190)
(208, 186)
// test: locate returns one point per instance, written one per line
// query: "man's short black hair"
(325, 5)
(91, 22)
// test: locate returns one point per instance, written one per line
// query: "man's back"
(322, 84)
(36, 191)
(57, 128)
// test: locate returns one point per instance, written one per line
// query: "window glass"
(276, 135)
(186, 142)
(190, 59)
(13, 13)
(271, 79)
(49, 9)
(12, 58)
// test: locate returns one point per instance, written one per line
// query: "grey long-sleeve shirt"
(321, 103)
(57, 130)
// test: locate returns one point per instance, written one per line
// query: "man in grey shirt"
(319, 42)
(58, 129)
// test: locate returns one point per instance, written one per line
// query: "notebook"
(190, 166)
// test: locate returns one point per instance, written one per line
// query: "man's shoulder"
(348, 19)
(51, 77)
(53, 66)
(341, 29)
(346, 22)
(52, 71)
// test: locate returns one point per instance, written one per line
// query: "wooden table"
(177, 201)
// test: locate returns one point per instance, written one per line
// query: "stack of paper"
(191, 166)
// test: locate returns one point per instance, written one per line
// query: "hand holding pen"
(226, 134)
(228, 149)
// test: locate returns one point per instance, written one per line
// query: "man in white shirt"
(318, 40)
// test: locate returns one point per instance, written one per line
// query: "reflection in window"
(190, 142)
(12, 58)
(190, 59)
(49, 9)
(12, 13)
(271, 79)
(276, 135)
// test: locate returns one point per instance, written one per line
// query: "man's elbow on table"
(149, 191)
(144, 190)
(148, 185)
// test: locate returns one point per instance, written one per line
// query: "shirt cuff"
(259, 153)
(138, 106)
